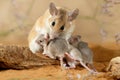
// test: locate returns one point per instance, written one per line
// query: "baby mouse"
(86, 53)
(55, 48)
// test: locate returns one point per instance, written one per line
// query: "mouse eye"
(40, 40)
(53, 23)
(62, 28)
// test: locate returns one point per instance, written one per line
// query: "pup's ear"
(70, 40)
(52, 9)
(79, 37)
(73, 14)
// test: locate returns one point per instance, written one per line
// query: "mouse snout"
(53, 35)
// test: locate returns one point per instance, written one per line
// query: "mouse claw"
(94, 72)
(65, 67)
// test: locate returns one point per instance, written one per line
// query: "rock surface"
(114, 67)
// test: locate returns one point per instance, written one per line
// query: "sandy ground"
(55, 73)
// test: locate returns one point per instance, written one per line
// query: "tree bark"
(20, 57)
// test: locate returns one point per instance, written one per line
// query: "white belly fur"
(34, 46)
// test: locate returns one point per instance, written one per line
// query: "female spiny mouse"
(56, 20)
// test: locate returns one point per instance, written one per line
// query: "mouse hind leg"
(92, 67)
(70, 60)
(62, 62)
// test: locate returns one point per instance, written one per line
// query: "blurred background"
(97, 23)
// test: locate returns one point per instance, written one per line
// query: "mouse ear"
(70, 40)
(78, 36)
(52, 9)
(73, 14)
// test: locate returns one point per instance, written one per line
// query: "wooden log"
(20, 57)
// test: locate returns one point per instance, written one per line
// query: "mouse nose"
(54, 35)
(47, 36)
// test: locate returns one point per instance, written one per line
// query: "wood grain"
(20, 57)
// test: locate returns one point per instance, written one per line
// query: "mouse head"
(60, 19)
(41, 40)
(74, 39)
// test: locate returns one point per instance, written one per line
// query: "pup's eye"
(62, 28)
(53, 23)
